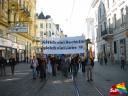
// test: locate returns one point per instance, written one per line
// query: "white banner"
(66, 45)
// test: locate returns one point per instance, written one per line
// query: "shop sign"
(21, 47)
(19, 29)
(5, 42)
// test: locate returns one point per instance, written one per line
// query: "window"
(101, 29)
(41, 25)
(46, 25)
(49, 25)
(115, 47)
(114, 20)
(100, 12)
(104, 25)
(49, 33)
(122, 15)
(41, 33)
(45, 33)
(109, 22)
(52, 33)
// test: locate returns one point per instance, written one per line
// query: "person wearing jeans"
(34, 66)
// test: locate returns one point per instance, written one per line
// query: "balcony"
(107, 34)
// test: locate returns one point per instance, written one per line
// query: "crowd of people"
(67, 64)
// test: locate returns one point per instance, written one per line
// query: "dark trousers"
(83, 68)
(122, 64)
(53, 70)
(42, 73)
(12, 69)
(75, 70)
(38, 70)
(2, 69)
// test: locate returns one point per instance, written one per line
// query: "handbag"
(31, 66)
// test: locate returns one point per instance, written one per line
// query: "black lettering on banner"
(66, 42)
(81, 47)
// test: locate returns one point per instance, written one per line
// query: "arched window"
(49, 33)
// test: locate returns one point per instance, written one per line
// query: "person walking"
(75, 65)
(49, 67)
(89, 66)
(34, 66)
(3, 62)
(122, 62)
(105, 60)
(42, 66)
(53, 63)
(12, 62)
(65, 64)
(83, 64)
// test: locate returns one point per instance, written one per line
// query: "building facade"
(17, 28)
(46, 28)
(112, 29)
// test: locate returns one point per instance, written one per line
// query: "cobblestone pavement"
(21, 84)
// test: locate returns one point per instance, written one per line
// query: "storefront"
(21, 53)
(5, 48)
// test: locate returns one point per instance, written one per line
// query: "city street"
(22, 84)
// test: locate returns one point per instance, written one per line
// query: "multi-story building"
(17, 28)
(46, 28)
(112, 31)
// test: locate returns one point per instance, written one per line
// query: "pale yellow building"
(17, 29)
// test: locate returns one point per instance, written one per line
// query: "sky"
(70, 14)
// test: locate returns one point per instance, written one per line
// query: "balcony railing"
(107, 31)
(107, 34)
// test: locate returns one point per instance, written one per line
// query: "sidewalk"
(20, 67)
(107, 75)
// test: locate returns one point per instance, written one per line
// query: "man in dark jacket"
(12, 63)
(2, 65)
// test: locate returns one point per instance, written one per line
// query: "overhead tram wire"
(72, 10)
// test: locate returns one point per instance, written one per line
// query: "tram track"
(42, 86)
(76, 88)
(98, 90)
